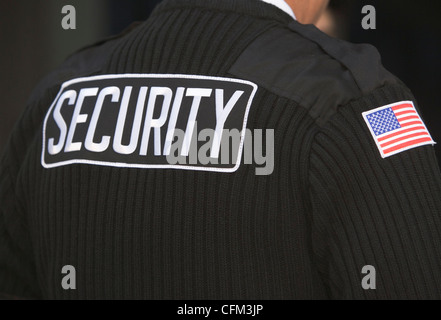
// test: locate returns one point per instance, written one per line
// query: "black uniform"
(86, 182)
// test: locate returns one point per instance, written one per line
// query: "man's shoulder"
(87, 61)
(319, 72)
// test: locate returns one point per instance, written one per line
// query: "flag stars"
(383, 121)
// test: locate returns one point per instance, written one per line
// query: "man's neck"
(281, 4)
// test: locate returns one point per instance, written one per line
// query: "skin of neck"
(308, 11)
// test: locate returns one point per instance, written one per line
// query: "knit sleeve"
(374, 211)
(16, 267)
(18, 278)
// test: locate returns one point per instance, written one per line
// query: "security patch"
(148, 121)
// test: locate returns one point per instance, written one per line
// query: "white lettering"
(78, 118)
(222, 113)
(136, 128)
(105, 141)
(68, 95)
(197, 95)
(150, 123)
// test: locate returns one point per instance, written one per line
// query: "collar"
(260, 9)
(281, 4)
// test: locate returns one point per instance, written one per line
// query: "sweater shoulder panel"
(320, 73)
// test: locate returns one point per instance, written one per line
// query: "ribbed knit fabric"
(331, 206)
(374, 212)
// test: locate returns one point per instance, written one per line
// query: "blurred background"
(408, 36)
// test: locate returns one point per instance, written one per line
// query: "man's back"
(91, 186)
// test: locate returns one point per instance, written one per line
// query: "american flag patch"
(396, 128)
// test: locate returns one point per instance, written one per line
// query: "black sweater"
(331, 206)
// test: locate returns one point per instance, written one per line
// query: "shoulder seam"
(326, 50)
(366, 80)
